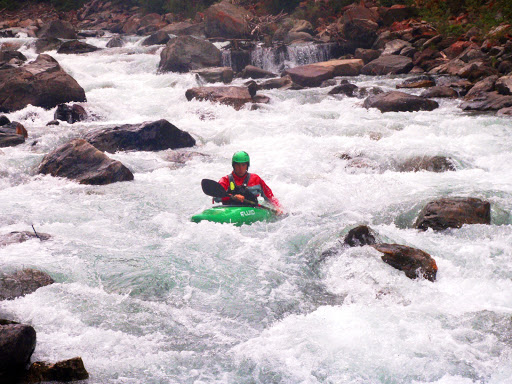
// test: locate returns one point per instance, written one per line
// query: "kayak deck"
(234, 214)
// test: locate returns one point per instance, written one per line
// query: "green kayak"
(234, 215)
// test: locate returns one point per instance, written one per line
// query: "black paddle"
(214, 189)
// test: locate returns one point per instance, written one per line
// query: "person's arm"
(269, 195)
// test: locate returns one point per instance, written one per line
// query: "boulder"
(360, 26)
(360, 236)
(42, 83)
(427, 163)
(4, 120)
(216, 74)
(453, 213)
(7, 56)
(346, 89)
(22, 283)
(396, 101)
(396, 13)
(439, 92)
(481, 87)
(76, 47)
(154, 136)
(236, 97)
(428, 59)
(62, 371)
(12, 134)
(505, 112)
(70, 113)
(250, 71)
(394, 47)
(47, 44)
(313, 75)
(186, 53)
(284, 82)
(58, 28)
(414, 262)
(78, 160)
(185, 28)
(158, 38)
(388, 65)
(226, 20)
(504, 85)
(116, 42)
(487, 101)
(20, 237)
(17, 343)
(366, 55)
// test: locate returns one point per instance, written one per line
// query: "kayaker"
(242, 185)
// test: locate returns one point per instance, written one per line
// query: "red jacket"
(255, 184)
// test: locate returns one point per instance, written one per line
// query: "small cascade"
(277, 59)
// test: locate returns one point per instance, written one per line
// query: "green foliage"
(389, 3)
(316, 11)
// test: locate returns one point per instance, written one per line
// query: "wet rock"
(284, 82)
(154, 136)
(394, 47)
(58, 29)
(396, 101)
(4, 120)
(20, 237)
(313, 75)
(62, 371)
(17, 343)
(236, 97)
(489, 101)
(387, 65)
(505, 112)
(42, 83)
(504, 85)
(76, 47)
(427, 163)
(53, 122)
(7, 56)
(413, 262)
(186, 53)
(216, 75)
(78, 160)
(116, 42)
(12, 134)
(47, 44)
(439, 92)
(185, 28)
(250, 71)
(158, 38)
(346, 89)
(226, 20)
(483, 86)
(418, 82)
(70, 113)
(360, 236)
(22, 283)
(453, 213)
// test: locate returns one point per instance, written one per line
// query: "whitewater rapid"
(143, 295)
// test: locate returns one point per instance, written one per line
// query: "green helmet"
(241, 157)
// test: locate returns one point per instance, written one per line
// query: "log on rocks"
(388, 65)
(414, 262)
(186, 53)
(396, 101)
(62, 371)
(17, 343)
(20, 237)
(360, 236)
(154, 136)
(453, 213)
(70, 113)
(216, 74)
(236, 97)
(42, 83)
(76, 47)
(79, 160)
(22, 283)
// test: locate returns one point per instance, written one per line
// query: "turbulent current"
(144, 295)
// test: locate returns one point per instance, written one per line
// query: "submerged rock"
(216, 74)
(360, 236)
(62, 371)
(76, 47)
(70, 113)
(453, 213)
(154, 136)
(236, 97)
(427, 163)
(20, 237)
(78, 160)
(12, 134)
(22, 283)
(414, 262)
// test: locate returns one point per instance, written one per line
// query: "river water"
(144, 295)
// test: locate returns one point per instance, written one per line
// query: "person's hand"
(240, 198)
(279, 211)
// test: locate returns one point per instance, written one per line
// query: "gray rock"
(76, 47)
(236, 97)
(216, 74)
(186, 53)
(116, 42)
(427, 163)
(22, 283)
(387, 65)
(504, 85)
(226, 20)
(487, 101)
(154, 136)
(396, 101)
(20, 237)
(250, 71)
(58, 28)
(439, 92)
(158, 38)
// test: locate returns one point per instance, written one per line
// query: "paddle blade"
(212, 188)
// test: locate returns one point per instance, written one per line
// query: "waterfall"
(276, 59)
